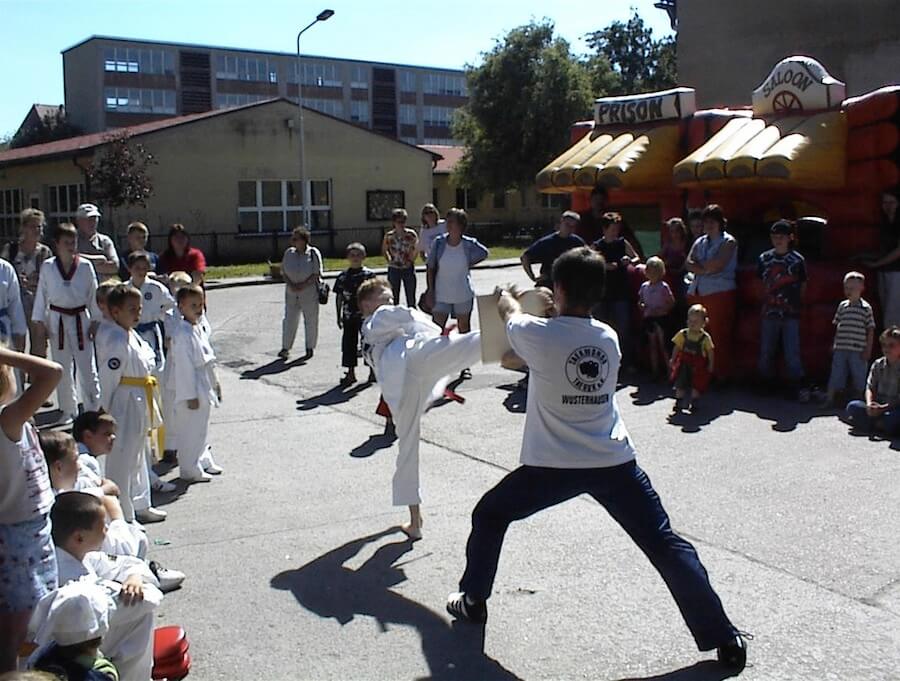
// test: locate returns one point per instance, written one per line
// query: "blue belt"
(152, 326)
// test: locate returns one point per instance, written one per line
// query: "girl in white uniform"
(196, 387)
(65, 305)
(129, 393)
(412, 363)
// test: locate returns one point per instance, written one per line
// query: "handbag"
(324, 290)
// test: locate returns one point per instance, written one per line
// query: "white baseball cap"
(87, 210)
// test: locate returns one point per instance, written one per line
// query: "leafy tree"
(522, 99)
(53, 126)
(626, 59)
(119, 177)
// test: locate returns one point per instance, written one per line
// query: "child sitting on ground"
(656, 302)
(692, 360)
(412, 362)
(349, 317)
(854, 335)
(79, 525)
(68, 626)
(196, 388)
(94, 433)
(881, 409)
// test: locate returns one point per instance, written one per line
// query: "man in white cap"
(93, 246)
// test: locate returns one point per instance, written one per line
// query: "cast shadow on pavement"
(516, 400)
(276, 366)
(332, 396)
(702, 671)
(372, 445)
(326, 587)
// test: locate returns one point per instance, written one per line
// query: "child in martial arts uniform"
(575, 443)
(196, 388)
(177, 281)
(13, 325)
(131, 588)
(412, 362)
(130, 394)
(348, 315)
(65, 305)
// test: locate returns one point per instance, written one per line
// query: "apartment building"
(116, 82)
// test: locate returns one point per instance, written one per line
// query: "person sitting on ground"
(349, 318)
(881, 409)
(547, 249)
(94, 433)
(79, 525)
(854, 335)
(575, 443)
(693, 360)
(656, 302)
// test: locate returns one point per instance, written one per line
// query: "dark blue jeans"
(627, 495)
(787, 331)
(889, 421)
(406, 276)
(617, 313)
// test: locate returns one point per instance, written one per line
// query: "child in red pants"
(692, 360)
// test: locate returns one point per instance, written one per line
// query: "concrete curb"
(237, 282)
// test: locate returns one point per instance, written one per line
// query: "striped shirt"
(884, 381)
(852, 322)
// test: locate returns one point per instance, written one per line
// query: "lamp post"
(324, 15)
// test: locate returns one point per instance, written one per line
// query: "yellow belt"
(151, 391)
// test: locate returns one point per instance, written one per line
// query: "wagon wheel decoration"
(785, 101)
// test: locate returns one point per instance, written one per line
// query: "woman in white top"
(301, 268)
(432, 227)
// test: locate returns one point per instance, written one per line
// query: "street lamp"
(324, 15)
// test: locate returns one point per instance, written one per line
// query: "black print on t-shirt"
(587, 369)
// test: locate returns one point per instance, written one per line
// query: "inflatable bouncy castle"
(801, 151)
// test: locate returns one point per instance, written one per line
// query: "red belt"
(79, 328)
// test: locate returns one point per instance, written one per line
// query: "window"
(226, 100)
(440, 141)
(407, 81)
(129, 60)
(408, 114)
(499, 200)
(359, 77)
(276, 205)
(332, 107)
(64, 200)
(444, 84)
(359, 111)
(554, 201)
(462, 198)
(438, 116)
(139, 100)
(10, 206)
(320, 75)
(257, 69)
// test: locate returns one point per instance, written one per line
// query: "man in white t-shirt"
(575, 442)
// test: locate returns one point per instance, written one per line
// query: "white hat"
(87, 210)
(74, 613)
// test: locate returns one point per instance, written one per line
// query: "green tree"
(119, 177)
(523, 97)
(53, 126)
(626, 59)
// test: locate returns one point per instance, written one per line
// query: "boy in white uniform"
(65, 305)
(574, 443)
(412, 362)
(13, 325)
(130, 394)
(196, 387)
(132, 589)
(177, 281)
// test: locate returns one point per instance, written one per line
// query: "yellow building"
(231, 177)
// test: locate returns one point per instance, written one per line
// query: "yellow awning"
(636, 160)
(800, 151)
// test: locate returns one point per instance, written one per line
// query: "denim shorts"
(453, 309)
(27, 564)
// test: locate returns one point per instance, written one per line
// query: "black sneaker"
(390, 430)
(733, 655)
(461, 609)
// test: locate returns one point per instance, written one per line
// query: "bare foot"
(412, 531)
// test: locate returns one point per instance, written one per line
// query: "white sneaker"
(160, 485)
(151, 515)
(214, 469)
(169, 580)
(203, 477)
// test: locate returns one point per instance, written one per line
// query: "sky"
(448, 33)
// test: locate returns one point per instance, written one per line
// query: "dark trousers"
(627, 495)
(406, 276)
(350, 342)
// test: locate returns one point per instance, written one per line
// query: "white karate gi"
(170, 322)
(12, 313)
(193, 378)
(129, 641)
(123, 354)
(66, 302)
(157, 302)
(412, 363)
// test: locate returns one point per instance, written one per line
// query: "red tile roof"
(451, 156)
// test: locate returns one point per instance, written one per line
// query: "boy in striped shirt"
(853, 337)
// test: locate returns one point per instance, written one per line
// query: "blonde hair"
(180, 279)
(371, 288)
(697, 308)
(104, 287)
(855, 276)
(656, 264)
(30, 216)
(431, 208)
(399, 213)
(138, 227)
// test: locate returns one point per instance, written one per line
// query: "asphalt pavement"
(296, 568)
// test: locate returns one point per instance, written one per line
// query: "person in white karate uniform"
(412, 363)
(132, 589)
(177, 281)
(130, 394)
(196, 387)
(13, 325)
(66, 307)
